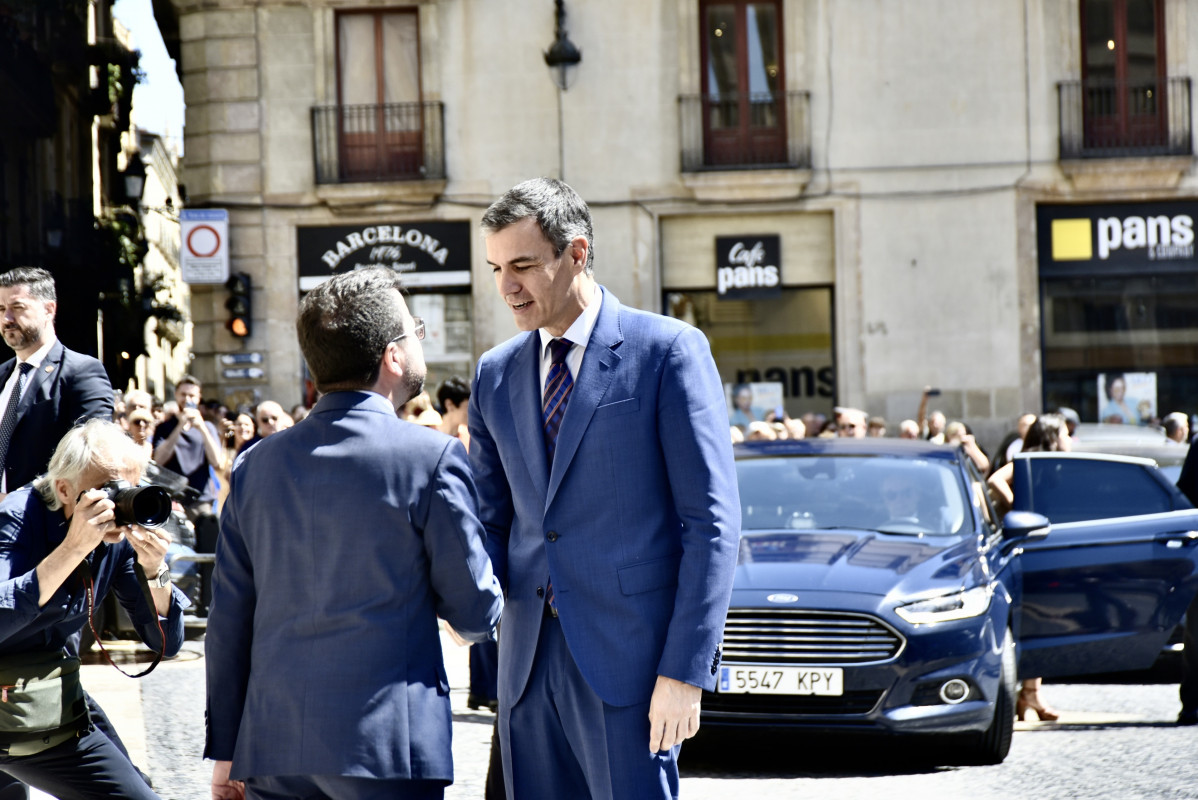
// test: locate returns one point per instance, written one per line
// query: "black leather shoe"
(1188, 716)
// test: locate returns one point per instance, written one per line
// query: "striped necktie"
(558, 384)
(9, 422)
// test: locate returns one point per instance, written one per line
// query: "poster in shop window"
(1127, 398)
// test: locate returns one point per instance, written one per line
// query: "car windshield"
(882, 493)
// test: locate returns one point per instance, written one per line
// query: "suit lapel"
(523, 376)
(598, 368)
(46, 372)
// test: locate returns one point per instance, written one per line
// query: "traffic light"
(240, 305)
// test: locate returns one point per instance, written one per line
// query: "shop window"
(784, 340)
(1118, 339)
(380, 117)
(449, 335)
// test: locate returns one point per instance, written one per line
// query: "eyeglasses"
(139, 422)
(417, 329)
(890, 495)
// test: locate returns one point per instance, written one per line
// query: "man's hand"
(190, 418)
(92, 523)
(222, 787)
(673, 713)
(149, 546)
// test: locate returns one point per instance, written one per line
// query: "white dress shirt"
(10, 385)
(578, 334)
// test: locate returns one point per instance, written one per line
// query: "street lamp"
(562, 54)
(135, 178)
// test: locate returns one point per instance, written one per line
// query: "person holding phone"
(191, 446)
(931, 427)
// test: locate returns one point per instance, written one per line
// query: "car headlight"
(960, 605)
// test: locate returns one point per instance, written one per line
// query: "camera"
(147, 506)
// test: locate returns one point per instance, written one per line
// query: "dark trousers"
(1188, 690)
(207, 527)
(87, 768)
(560, 740)
(484, 671)
(13, 789)
(340, 787)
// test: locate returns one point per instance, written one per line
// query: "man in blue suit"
(342, 541)
(599, 441)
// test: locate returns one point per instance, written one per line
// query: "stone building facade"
(853, 198)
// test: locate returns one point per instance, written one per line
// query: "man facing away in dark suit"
(342, 541)
(59, 387)
(599, 442)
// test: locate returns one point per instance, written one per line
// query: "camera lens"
(148, 506)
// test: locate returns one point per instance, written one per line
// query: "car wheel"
(992, 745)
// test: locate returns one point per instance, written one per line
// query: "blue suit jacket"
(342, 540)
(639, 520)
(66, 389)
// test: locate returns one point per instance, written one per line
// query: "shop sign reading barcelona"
(430, 254)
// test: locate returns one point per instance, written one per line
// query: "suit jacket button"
(551, 536)
(540, 591)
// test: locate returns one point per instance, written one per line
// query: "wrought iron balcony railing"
(392, 142)
(745, 131)
(1103, 118)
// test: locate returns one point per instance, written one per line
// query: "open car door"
(1107, 586)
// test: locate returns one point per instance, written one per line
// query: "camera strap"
(149, 598)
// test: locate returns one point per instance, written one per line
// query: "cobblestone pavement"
(1113, 741)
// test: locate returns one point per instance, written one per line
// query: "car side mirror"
(1022, 526)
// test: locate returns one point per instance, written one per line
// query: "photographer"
(62, 547)
(189, 445)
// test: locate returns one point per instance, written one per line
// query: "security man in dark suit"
(1187, 482)
(47, 388)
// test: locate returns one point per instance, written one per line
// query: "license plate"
(781, 680)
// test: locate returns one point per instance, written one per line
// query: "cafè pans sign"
(748, 267)
(428, 254)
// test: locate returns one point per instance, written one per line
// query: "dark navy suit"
(637, 523)
(67, 388)
(342, 540)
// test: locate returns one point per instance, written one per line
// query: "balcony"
(745, 131)
(374, 143)
(1103, 118)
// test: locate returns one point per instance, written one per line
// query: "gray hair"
(560, 213)
(97, 443)
(38, 281)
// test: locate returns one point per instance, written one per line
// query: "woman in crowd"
(1047, 434)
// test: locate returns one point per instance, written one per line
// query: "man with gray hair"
(1177, 427)
(600, 442)
(61, 551)
(342, 541)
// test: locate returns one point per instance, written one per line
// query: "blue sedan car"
(878, 591)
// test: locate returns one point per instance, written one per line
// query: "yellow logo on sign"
(1071, 240)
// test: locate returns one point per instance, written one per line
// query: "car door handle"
(1174, 539)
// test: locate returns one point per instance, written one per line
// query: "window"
(380, 116)
(1124, 83)
(1076, 491)
(785, 340)
(743, 100)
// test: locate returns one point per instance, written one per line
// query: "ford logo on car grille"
(783, 598)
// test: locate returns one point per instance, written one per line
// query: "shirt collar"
(579, 331)
(40, 354)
